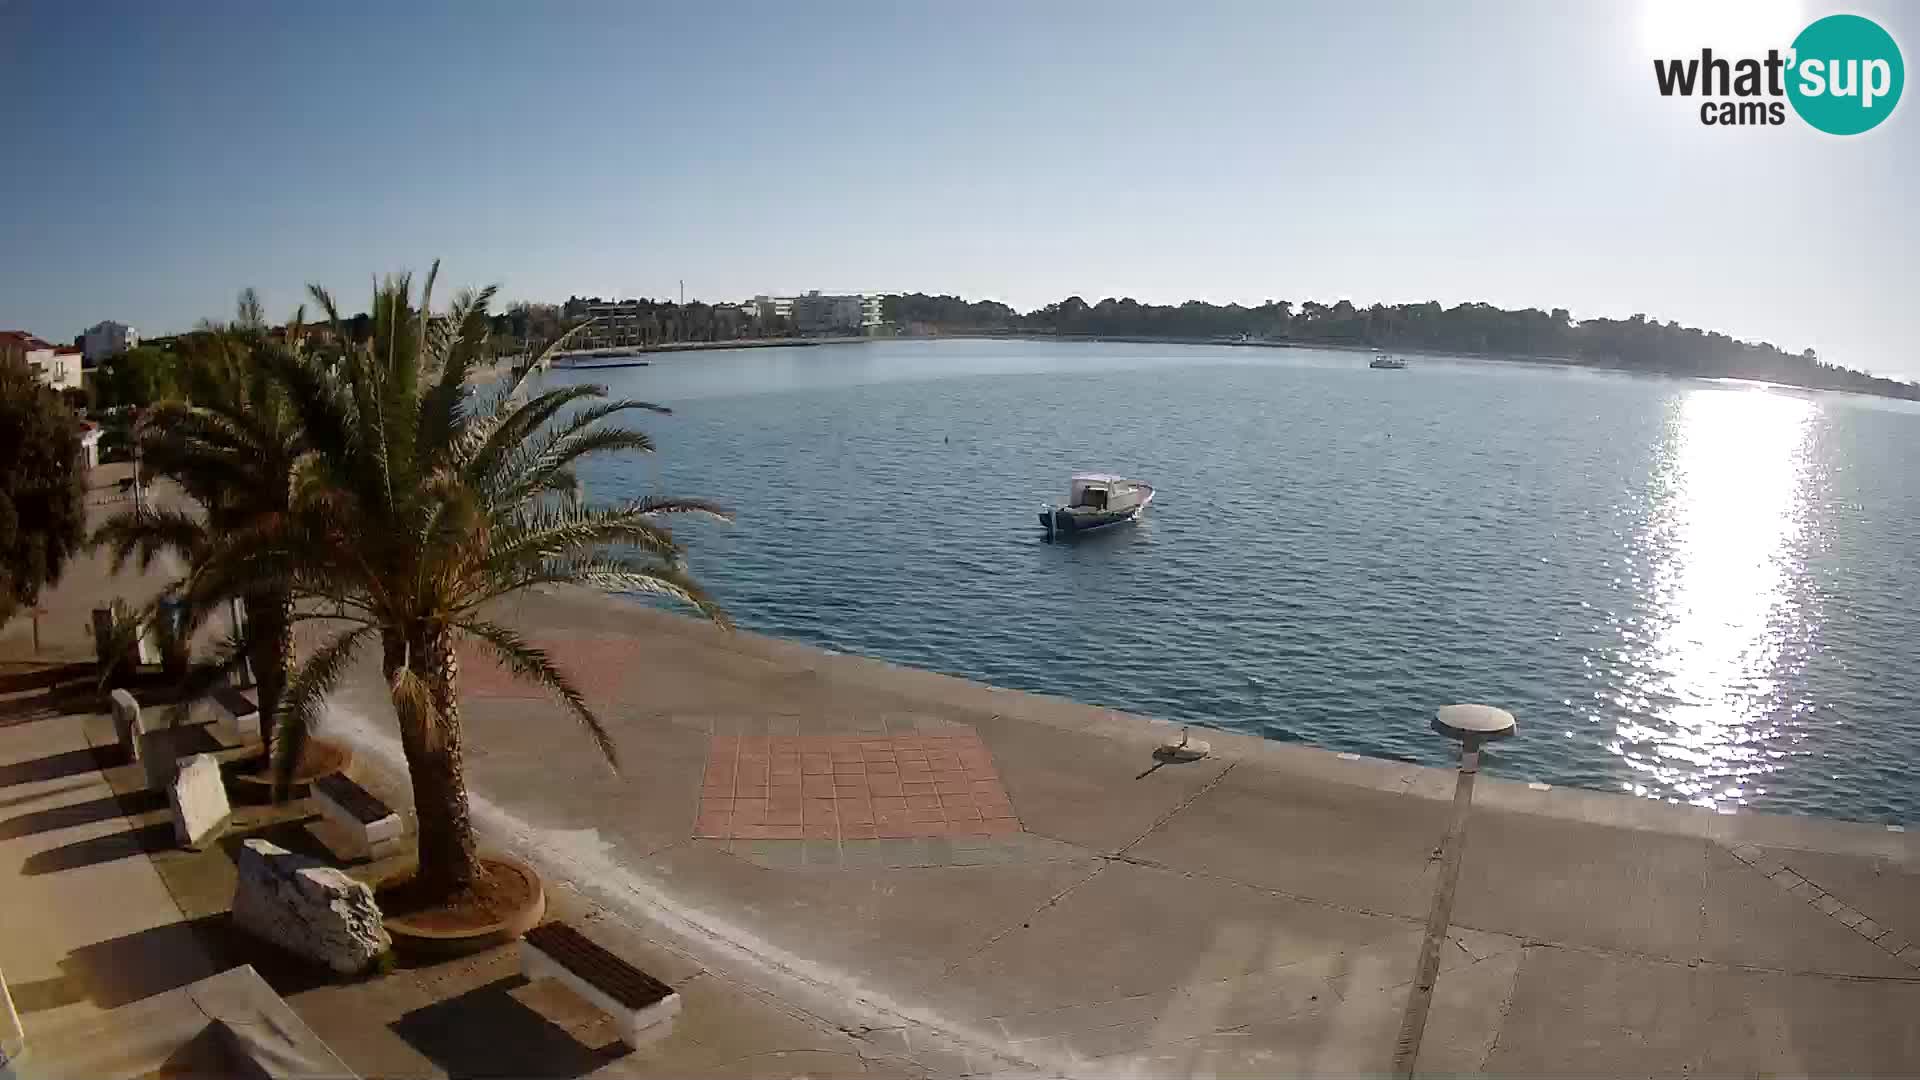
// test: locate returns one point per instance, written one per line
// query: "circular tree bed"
(505, 903)
(320, 757)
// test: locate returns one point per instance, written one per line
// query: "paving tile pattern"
(852, 787)
(1887, 938)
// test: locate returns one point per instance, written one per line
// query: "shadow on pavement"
(82, 813)
(100, 849)
(51, 767)
(123, 970)
(44, 691)
(488, 1032)
(43, 796)
(126, 969)
(19, 678)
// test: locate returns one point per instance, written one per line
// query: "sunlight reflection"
(1695, 720)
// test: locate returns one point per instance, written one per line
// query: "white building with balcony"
(56, 366)
(822, 313)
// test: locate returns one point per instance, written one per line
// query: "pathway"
(1255, 913)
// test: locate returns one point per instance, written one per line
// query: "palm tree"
(233, 445)
(422, 501)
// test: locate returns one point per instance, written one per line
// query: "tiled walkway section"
(846, 787)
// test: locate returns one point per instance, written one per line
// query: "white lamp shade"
(1481, 722)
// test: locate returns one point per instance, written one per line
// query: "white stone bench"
(240, 709)
(363, 826)
(639, 1003)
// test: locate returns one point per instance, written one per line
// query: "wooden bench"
(241, 709)
(364, 827)
(639, 1003)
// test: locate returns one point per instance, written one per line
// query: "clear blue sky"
(162, 156)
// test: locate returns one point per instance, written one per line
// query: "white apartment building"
(823, 313)
(56, 366)
(770, 307)
(109, 338)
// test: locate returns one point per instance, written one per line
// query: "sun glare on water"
(1727, 526)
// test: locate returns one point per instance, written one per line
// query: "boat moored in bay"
(1095, 501)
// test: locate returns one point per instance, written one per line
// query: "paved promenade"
(1036, 896)
(849, 868)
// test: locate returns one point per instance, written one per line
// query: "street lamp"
(1471, 726)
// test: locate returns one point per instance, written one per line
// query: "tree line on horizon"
(1634, 344)
(1637, 343)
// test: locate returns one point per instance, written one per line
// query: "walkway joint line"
(1184, 803)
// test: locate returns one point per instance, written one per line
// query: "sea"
(1704, 592)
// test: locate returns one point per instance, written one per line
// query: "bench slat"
(365, 807)
(619, 980)
(235, 702)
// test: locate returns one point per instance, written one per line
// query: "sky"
(160, 157)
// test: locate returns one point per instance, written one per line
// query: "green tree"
(422, 501)
(234, 445)
(139, 377)
(43, 508)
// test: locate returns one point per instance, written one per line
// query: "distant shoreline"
(1461, 354)
(582, 360)
(565, 359)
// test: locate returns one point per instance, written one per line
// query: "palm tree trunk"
(449, 857)
(270, 653)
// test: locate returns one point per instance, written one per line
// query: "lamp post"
(1472, 726)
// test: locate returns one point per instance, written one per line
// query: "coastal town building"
(14, 345)
(769, 308)
(822, 313)
(56, 366)
(107, 338)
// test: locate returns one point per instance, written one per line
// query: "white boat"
(1386, 362)
(1095, 501)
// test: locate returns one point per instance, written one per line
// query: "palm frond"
(149, 532)
(306, 689)
(532, 663)
(609, 573)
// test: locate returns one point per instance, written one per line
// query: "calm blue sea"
(1703, 592)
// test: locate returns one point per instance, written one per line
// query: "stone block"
(198, 800)
(159, 756)
(128, 724)
(241, 710)
(308, 908)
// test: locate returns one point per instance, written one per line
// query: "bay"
(1696, 591)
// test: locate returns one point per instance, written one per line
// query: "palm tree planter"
(420, 501)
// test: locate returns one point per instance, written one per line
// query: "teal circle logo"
(1846, 75)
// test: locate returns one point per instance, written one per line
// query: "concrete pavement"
(1255, 913)
(99, 910)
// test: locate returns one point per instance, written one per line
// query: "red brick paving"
(852, 787)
